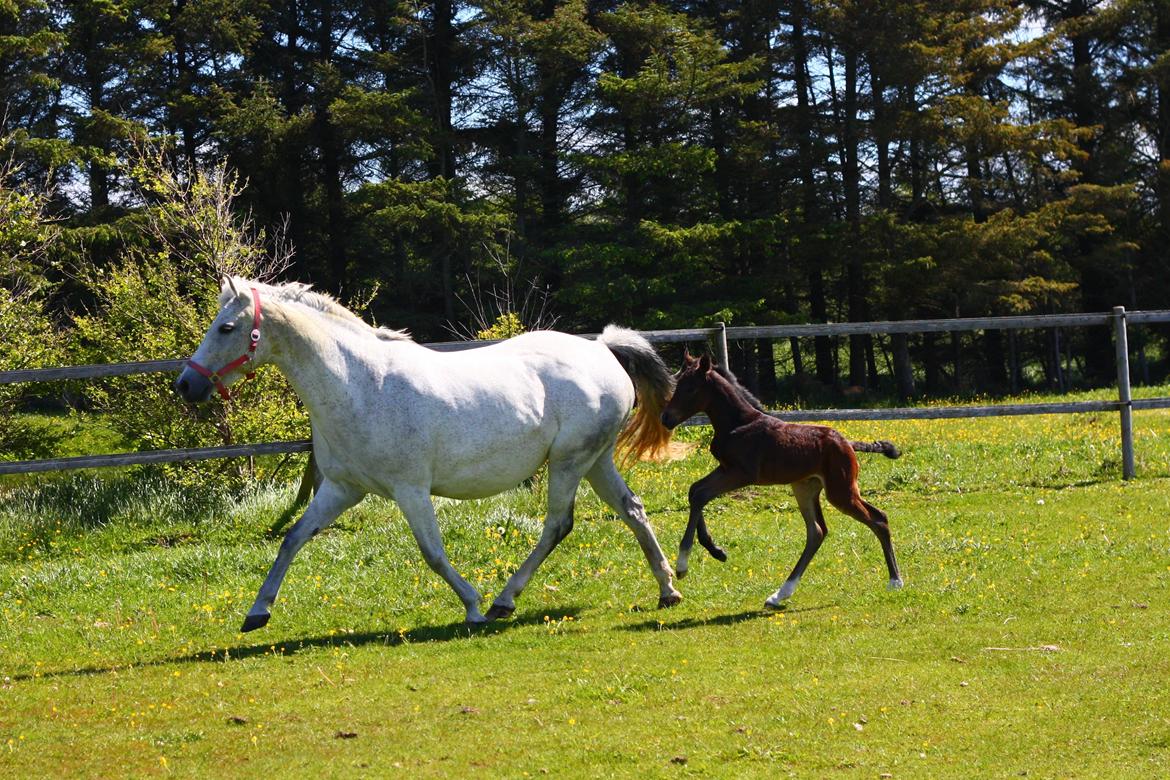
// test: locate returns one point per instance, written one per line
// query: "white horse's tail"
(644, 437)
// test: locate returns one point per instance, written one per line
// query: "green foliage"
(506, 326)
(29, 335)
(157, 304)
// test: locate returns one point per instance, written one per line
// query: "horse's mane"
(297, 292)
(739, 389)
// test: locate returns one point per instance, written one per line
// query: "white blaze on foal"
(394, 418)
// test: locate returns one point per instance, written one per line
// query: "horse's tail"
(644, 437)
(886, 448)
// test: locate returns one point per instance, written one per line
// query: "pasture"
(1032, 637)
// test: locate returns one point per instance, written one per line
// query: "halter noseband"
(217, 377)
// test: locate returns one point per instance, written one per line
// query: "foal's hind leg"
(613, 490)
(807, 494)
(848, 500)
(563, 478)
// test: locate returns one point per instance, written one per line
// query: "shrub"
(157, 303)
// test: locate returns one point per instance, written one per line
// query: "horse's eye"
(227, 327)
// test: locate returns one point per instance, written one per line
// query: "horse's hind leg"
(563, 479)
(807, 493)
(416, 504)
(613, 490)
(848, 500)
(329, 502)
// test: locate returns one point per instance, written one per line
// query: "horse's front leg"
(420, 516)
(707, 489)
(562, 492)
(330, 501)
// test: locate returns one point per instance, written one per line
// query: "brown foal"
(754, 448)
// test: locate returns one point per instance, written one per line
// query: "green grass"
(1032, 636)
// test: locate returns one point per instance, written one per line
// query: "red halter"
(217, 377)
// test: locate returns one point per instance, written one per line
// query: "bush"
(156, 304)
(30, 337)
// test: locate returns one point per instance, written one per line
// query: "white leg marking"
(895, 585)
(783, 594)
(680, 566)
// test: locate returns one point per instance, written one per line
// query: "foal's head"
(692, 391)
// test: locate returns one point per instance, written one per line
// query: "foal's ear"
(228, 283)
(705, 363)
(687, 359)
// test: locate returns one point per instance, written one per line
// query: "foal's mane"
(303, 294)
(739, 389)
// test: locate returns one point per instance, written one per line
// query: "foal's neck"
(728, 409)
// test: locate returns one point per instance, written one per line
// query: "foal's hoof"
(499, 611)
(669, 601)
(680, 573)
(253, 622)
(719, 554)
(894, 585)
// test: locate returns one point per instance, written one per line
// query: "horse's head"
(230, 348)
(691, 391)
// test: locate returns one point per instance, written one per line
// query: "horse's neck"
(315, 353)
(727, 408)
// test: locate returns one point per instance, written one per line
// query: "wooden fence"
(1119, 320)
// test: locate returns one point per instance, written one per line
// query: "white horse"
(392, 417)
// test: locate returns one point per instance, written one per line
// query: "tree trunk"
(851, 180)
(903, 368)
(818, 306)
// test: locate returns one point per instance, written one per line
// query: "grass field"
(1032, 638)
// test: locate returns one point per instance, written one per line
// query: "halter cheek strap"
(217, 377)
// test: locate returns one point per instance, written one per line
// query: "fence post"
(1123, 396)
(721, 345)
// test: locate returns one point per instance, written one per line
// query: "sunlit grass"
(1031, 637)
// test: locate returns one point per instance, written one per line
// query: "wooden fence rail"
(1119, 319)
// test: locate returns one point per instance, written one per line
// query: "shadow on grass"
(658, 624)
(449, 632)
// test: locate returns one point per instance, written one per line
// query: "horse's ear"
(687, 359)
(229, 283)
(705, 363)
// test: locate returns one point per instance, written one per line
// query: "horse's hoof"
(894, 585)
(776, 605)
(669, 601)
(680, 573)
(253, 622)
(499, 611)
(719, 554)
(476, 620)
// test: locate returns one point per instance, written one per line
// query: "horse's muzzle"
(668, 421)
(192, 387)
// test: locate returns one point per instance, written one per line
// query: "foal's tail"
(644, 437)
(886, 448)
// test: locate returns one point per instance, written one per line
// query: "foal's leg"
(329, 502)
(848, 500)
(563, 479)
(613, 490)
(807, 494)
(703, 492)
(420, 516)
